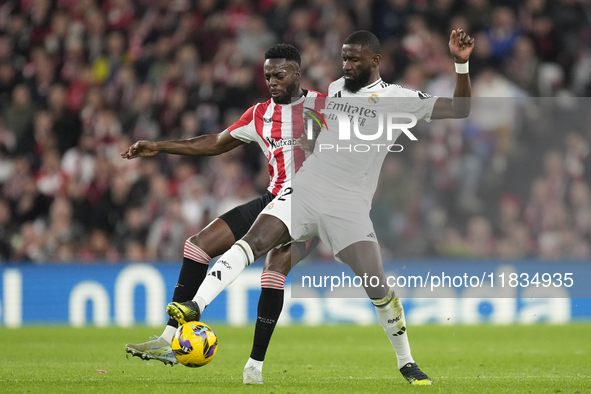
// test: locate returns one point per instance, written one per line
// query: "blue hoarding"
(136, 294)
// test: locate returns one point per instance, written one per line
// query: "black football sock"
(190, 278)
(269, 309)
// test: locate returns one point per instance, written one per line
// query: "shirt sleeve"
(244, 129)
(421, 105)
(335, 87)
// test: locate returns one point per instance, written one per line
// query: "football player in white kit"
(331, 194)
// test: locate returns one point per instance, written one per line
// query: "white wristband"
(462, 68)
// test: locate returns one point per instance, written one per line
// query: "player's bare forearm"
(461, 102)
(458, 106)
(190, 147)
(460, 46)
(204, 145)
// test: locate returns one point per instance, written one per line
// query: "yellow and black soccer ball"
(194, 344)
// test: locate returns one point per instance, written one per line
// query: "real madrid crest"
(373, 99)
(270, 206)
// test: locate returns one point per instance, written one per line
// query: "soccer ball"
(194, 344)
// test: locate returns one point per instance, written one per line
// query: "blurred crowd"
(80, 80)
(507, 188)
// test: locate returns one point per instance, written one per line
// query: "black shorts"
(241, 218)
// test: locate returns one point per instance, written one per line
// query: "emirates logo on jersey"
(274, 144)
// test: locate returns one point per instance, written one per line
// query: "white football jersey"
(354, 164)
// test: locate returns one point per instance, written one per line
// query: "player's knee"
(198, 240)
(192, 252)
(258, 245)
(203, 239)
(217, 232)
(194, 240)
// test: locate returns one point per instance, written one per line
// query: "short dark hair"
(284, 51)
(365, 39)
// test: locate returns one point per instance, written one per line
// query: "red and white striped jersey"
(276, 127)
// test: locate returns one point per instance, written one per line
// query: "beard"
(353, 85)
(289, 93)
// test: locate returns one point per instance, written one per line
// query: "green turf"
(337, 359)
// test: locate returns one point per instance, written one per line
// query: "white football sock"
(168, 333)
(200, 301)
(391, 317)
(224, 272)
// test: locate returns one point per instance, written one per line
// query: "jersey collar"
(376, 83)
(301, 99)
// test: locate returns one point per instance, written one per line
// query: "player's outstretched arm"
(204, 145)
(460, 46)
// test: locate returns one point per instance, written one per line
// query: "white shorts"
(338, 218)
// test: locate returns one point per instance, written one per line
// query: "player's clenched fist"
(460, 45)
(139, 149)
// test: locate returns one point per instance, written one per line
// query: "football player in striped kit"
(271, 125)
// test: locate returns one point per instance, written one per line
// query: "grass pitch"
(332, 359)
